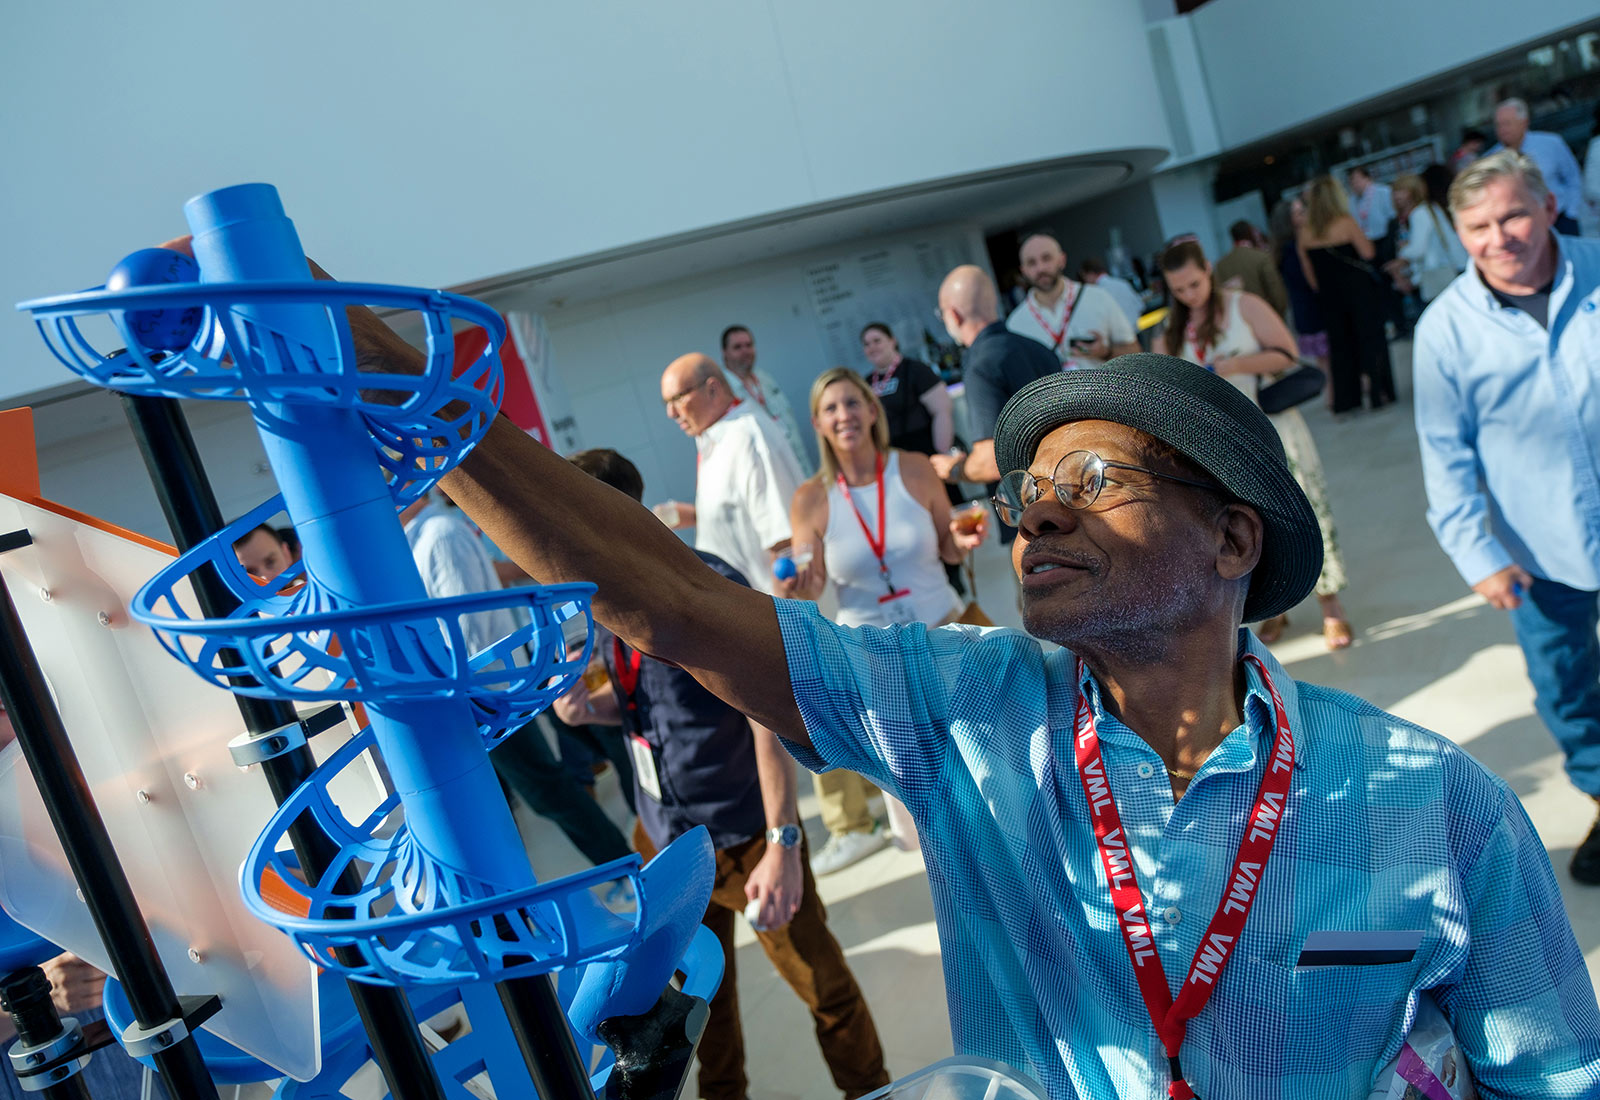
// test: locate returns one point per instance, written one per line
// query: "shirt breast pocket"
(1356, 1009)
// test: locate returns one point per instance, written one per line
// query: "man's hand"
(1095, 347)
(1504, 590)
(777, 884)
(575, 708)
(943, 464)
(75, 985)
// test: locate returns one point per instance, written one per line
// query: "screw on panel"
(191, 780)
(195, 956)
(103, 618)
(143, 797)
(44, 594)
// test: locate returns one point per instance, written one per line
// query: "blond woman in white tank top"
(878, 522)
(1239, 336)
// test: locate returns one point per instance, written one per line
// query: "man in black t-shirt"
(697, 761)
(998, 363)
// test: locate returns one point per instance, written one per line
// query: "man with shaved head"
(998, 363)
(746, 474)
(1081, 323)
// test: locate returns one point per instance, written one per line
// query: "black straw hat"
(1208, 421)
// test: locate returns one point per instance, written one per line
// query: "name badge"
(897, 605)
(644, 766)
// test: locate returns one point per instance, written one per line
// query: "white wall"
(433, 145)
(611, 353)
(1273, 64)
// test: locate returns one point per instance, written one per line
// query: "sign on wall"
(897, 284)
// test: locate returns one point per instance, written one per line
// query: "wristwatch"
(784, 836)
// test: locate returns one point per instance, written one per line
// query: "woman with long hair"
(1432, 255)
(1310, 330)
(1337, 260)
(1239, 336)
(878, 522)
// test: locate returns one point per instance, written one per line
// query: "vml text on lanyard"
(1171, 1015)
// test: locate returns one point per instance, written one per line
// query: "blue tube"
(352, 543)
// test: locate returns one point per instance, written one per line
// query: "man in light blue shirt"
(1508, 416)
(1554, 158)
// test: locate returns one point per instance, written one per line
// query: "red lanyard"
(1171, 1017)
(1056, 336)
(881, 379)
(627, 662)
(878, 544)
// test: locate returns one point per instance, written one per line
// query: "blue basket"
(288, 639)
(421, 425)
(415, 921)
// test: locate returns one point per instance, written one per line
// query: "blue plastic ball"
(784, 569)
(158, 329)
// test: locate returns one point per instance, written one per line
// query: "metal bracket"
(15, 540)
(140, 1042)
(253, 748)
(42, 1065)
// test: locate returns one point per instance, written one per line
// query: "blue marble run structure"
(431, 891)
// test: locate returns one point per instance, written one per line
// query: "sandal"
(1271, 630)
(1336, 634)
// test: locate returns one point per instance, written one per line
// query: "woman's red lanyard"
(1171, 1016)
(627, 662)
(880, 379)
(877, 544)
(1056, 335)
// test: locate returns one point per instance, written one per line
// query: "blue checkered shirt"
(1388, 827)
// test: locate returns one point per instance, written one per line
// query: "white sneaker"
(843, 849)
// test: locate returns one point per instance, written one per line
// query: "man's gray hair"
(1518, 106)
(1468, 187)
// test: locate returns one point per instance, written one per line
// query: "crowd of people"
(1073, 803)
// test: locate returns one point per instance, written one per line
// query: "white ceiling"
(992, 200)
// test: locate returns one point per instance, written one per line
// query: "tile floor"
(1426, 648)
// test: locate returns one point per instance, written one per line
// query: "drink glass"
(970, 516)
(595, 677)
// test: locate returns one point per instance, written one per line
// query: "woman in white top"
(1432, 255)
(1238, 335)
(878, 521)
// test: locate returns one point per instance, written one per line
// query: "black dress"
(1354, 309)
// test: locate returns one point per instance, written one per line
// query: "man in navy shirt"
(998, 363)
(697, 761)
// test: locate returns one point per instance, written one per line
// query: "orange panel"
(19, 458)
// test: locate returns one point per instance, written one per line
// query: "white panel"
(151, 738)
(1273, 64)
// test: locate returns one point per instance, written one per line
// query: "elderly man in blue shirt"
(1158, 863)
(1551, 153)
(1508, 414)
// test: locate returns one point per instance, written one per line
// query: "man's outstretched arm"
(562, 525)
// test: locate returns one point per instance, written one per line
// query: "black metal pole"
(93, 860)
(192, 513)
(544, 1037)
